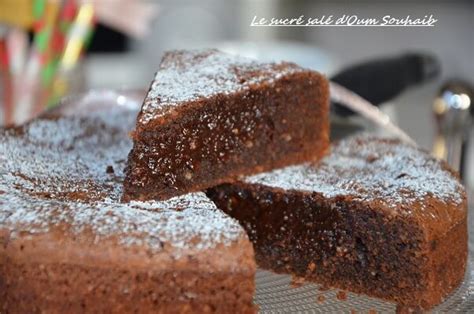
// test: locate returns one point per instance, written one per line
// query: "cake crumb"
(372, 157)
(341, 295)
(188, 175)
(297, 282)
(321, 298)
(109, 169)
(286, 137)
(311, 267)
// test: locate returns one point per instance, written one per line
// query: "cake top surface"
(189, 75)
(65, 174)
(369, 168)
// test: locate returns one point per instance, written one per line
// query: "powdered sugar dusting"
(67, 174)
(370, 168)
(185, 76)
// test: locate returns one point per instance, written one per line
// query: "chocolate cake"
(210, 117)
(68, 245)
(376, 216)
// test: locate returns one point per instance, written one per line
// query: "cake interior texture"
(376, 217)
(210, 117)
(68, 245)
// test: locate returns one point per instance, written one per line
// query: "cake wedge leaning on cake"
(68, 245)
(210, 117)
(376, 216)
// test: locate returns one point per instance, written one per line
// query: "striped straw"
(77, 39)
(17, 47)
(24, 106)
(57, 40)
(6, 92)
(56, 47)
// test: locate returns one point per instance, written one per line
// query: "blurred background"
(119, 43)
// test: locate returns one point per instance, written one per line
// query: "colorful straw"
(17, 48)
(78, 37)
(63, 29)
(30, 80)
(7, 91)
(57, 40)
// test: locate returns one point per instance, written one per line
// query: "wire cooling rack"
(278, 294)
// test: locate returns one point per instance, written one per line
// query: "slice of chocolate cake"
(68, 245)
(210, 117)
(376, 216)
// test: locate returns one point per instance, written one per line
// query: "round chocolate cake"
(68, 245)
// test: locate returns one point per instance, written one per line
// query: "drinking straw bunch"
(61, 32)
(34, 77)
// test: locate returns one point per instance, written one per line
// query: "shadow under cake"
(376, 216)
(210, 117)
(68, 245)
